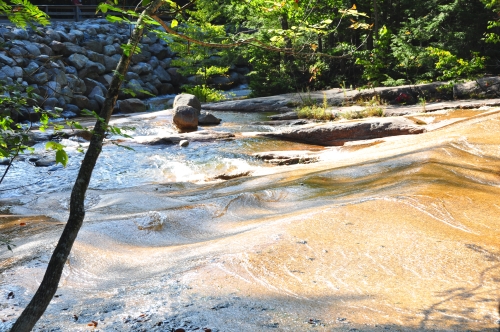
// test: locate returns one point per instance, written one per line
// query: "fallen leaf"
(22, 224)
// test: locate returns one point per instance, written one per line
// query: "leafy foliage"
(23, 13)
(205, 94)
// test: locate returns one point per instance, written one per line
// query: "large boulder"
(131, 105)
(186, 99)
(486, 87)
(185, 118)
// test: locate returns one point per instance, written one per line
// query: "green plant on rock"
(205, 93)
(312, 110)
(452, 67)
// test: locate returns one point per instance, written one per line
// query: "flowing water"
(395, 234)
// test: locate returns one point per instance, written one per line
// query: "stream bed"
(396, 234)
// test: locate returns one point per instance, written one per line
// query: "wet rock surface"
(196, 136)
(337, 133)
(286, 157)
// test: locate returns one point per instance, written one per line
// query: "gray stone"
(76, 84)
(206, 118)
(79, 61)
(99, 99)
(285, 116)
(92, 70)
(32, 48)
(51, 34)
(184, 143)
(136, 87)
(45, 162)
(45, 50)
(94, 106)
(71, 49)
(195, 80)
(61, 102)
(195, 136)
(131, 76)
(165, 89)
(77, 33)
(49, 103)
(132, 105)
(109, 50)
(40, 78)
(71, 70)
(185, 118)
(71, 108)
(166, 63)
(96, 91)
(96, 57)
(66, 37)
(176, 76)
(31, 68)
(18, 72)
(91, 84)
(111, 62)
(69, 114)
(222, 82)
(146, 40)
(67, 94)
(159, 51)
(107, 79)
(141, 57)
(151, 88)
(481, 88)
(20, 34)
(186, 99)
(57, 47)
(58, 75)
(81, 101)
(162, 75)
(53, 89)
(153, 62)
(8, 71)
(6, 60)
(141, 68)
(94, 45)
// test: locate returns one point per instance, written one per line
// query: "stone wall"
(70, 64)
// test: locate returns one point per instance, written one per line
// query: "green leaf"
(62, 157)
(174, 23)
(54, 146)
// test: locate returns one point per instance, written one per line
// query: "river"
(396, 234)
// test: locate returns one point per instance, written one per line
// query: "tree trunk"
(48, 286)
(284, 26)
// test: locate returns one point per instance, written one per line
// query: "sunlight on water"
(394, 234)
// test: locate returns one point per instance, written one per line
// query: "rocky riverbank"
(69, 65)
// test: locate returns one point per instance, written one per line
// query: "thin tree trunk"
(48, 286)
(375, 19)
